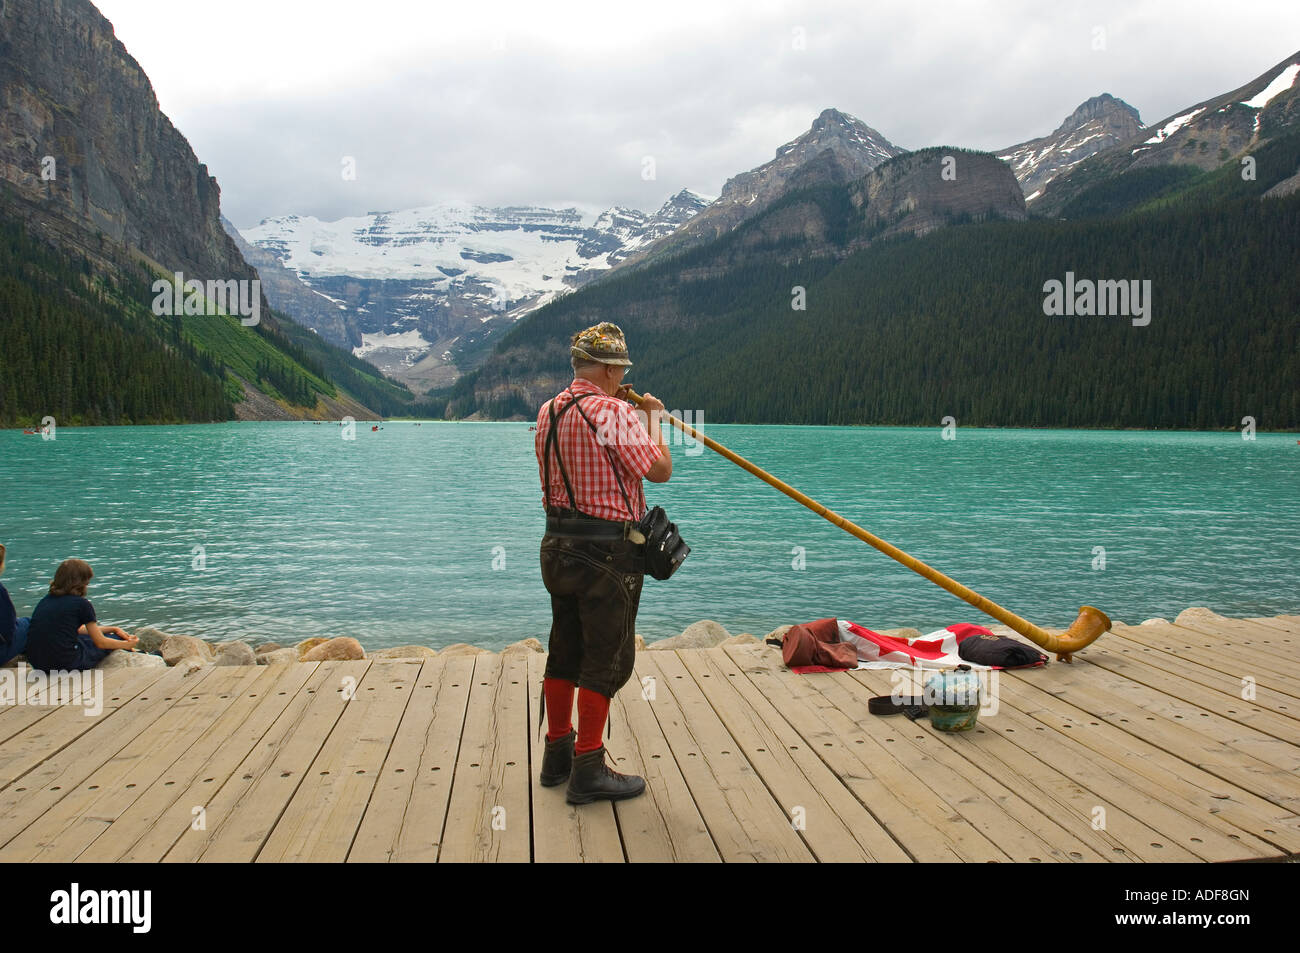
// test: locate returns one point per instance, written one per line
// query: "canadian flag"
(936, 650)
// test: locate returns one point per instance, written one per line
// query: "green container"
(954, 699)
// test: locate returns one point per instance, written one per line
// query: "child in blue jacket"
(64, 634)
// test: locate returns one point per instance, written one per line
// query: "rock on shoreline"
(159, 648)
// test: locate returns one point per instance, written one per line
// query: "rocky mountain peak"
(848, 136)
(1100, 107)
(836, 149)
(1096, 124)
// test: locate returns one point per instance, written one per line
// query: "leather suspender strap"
(552, 437)
(626, 502)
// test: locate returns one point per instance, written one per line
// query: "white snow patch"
(1281, 83)
(406, 341)
(1173, 125)
(1033, 195)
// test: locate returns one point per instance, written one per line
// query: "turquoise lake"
(429, 533)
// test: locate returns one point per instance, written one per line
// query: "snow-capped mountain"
(405, 288)
(1202, 136)
(837, 148)
(1097, 124)
(1224, 118)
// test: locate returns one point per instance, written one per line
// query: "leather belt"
(913, 706)
(585, 528)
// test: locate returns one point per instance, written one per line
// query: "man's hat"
(603, 343)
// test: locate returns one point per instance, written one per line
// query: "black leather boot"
(593, 779)
(557, 762)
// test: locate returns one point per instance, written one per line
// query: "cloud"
(545, 104)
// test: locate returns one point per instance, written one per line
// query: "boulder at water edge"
(1197, 614)
(236, 653)
(278, 657)
(306, 645)
(525, 645)
(176, 647)
(151, 640)
(698, 635)
(778, 633)
(405, 652)
(343, 648)
(191, 664)
(460, 648)
(123, 658)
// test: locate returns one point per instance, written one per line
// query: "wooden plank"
(746, 823)
(1230, 707)
(488, 818)
(1246, 633)
(1122, 793)
(320, 820)
(1223, 650)
(1280, 624)
(1150, 716)
(909, 749)
(664, 824)
(1244, 640)
(1196, 647)
(68, 826)
(167, 806)
(408, 809)
(1023, 830)
(834, 825)
(54, 775)
(1142, 664)
(26, 745)
(242, 812)
(1214, 799)
(563, 832)
(922, 824)
(118, 686)
(1075, 784)
(1207, 721)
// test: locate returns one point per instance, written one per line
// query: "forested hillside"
(84, 349)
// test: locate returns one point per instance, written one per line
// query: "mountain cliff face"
(88, 152)
(924, 190)
(837, 149)
(1202, 137)
(91, 167)
(1097, 124)
(417, 291)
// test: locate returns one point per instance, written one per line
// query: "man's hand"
(650, 403)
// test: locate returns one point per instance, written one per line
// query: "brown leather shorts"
(595, 588)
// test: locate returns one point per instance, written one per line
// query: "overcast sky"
(559, 103)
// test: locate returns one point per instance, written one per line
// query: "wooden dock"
(1143, 750)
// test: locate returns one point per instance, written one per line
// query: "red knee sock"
(559, 707)
(593, 709)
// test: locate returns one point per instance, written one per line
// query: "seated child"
(13, 630)
(64, 634)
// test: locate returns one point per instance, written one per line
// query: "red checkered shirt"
(595, 491)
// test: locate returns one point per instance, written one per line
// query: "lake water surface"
(429, 533)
